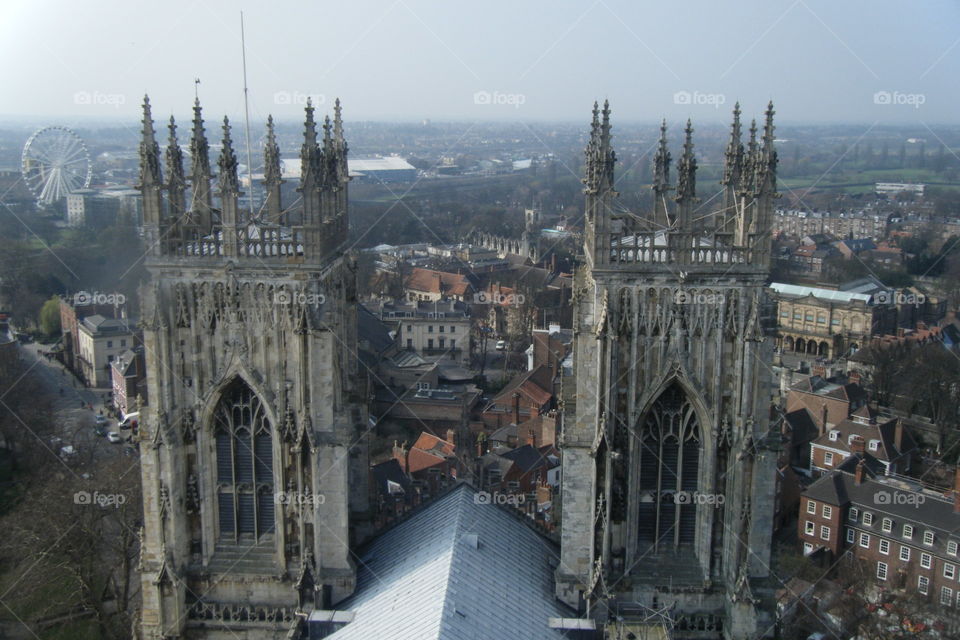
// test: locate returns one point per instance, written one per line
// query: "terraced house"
(906, 536)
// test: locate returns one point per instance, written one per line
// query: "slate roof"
(389, 471)
(933, 512)
(455, 570)
(885, 432)
(527, 457)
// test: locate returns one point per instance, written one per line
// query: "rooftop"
(441, 573)
(800, 291)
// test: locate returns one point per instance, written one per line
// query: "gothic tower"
(252, 446)
(668, 453)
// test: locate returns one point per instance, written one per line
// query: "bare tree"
(71, 545)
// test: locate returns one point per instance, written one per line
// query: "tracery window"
(669, 469)
(245, 495)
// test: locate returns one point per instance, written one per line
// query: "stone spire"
(686, 182)
(732, 172)
(605, 127)
(149, 150)
(151, 184)
(311, 184)
(229, 183)
(229, 193)
(340, 142)
(272, 179)
(661, 180)
(200, 176)
(308, 152)
(176, 181)
(765, 187)
(746, 190)
(767, 155)
(598, 185)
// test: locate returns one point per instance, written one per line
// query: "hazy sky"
(820, 60)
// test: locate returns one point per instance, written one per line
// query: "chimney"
(516, 408)
(956, 491)
(857, 445)
(853, 377)
(858, 475)
(531, 438)
(823, 419)
(898, 435)
(451, 434)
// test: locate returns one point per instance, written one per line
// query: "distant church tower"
(669, 458)
(252, 450)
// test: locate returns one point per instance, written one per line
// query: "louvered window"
(244, 447)
(669, 472)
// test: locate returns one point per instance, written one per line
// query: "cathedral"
(253, 459)
(669, 458)
(253, 448)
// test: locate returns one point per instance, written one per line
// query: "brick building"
(907, 536)
(886, 442)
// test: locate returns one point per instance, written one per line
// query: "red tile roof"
(440, 282)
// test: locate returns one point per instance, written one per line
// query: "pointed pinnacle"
(227, 143)
(147, 117)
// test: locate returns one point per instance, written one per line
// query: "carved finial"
(337, 121)
(687, 169)
(228, 162)
(661, 169)
(149, 150)
(271, 156)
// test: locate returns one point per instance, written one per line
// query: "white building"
(101, 341)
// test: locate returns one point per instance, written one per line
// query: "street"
(75, 421)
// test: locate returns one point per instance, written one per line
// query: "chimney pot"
(858, 475)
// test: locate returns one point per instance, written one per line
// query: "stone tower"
(668, 456)
(252, 449)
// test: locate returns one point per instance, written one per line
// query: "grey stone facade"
(669, 458)
(252, 447)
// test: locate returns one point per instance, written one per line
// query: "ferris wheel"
(55, 162)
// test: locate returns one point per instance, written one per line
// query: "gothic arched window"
(244, 441)
(669, 468)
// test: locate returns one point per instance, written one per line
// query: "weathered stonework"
(668, 456)
(253, 447)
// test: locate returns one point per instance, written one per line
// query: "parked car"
(101, 419)
(100, 429)
(501, 345)
(129, 420)
(114, 437)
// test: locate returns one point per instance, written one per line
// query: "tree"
(50, 317)
(77, 539)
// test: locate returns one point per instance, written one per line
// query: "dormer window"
(834, 435)
(874, 445)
